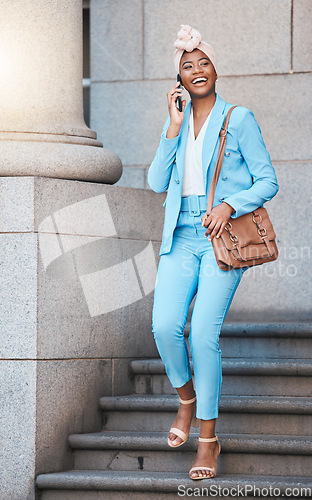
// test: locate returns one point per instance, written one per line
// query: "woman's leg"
(185, 413)
(207, 453)
(216, 290)
(176, 285)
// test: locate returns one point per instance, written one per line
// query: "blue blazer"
(247, 177)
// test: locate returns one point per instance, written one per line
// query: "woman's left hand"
(216, 220)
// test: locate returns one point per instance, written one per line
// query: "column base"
(61, 161)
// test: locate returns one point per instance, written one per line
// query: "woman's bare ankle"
(186, 392)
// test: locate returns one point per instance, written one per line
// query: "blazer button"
(227, 153)
(177, 181)
(224, 178)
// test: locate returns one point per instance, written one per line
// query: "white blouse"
(193, 180)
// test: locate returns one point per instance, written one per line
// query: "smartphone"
(179, 99)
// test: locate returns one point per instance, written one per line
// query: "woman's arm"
(160, 170)
(259, 164)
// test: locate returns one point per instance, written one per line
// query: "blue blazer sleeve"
(264, 182)
(160, 170)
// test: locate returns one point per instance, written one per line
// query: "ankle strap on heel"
(208, 440)
(187, 401)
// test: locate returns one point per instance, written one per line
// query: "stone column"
(42, 130)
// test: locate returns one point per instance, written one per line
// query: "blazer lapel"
(212, 134)
(210, 140)
(183, 140)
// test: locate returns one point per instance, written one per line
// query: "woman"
(184, 165)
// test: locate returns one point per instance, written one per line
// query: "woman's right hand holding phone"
(176, 116)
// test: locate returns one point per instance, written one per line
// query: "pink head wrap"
(188, 40)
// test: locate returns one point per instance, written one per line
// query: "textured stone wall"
(265, 63)
(264, 60)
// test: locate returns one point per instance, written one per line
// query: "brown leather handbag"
(248, 240)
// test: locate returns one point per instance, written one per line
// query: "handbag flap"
(254, 252)
(247, 229)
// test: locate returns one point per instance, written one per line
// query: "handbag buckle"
(223, 132)
(233, 238)
(254, 218)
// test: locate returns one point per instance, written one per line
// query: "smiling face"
(197, 74)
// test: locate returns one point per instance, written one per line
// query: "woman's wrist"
(173, 131)
(230, 206)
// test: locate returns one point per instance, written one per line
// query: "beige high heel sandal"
(179, 432)
(203, 467)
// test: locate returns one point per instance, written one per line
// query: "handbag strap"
(217, 171)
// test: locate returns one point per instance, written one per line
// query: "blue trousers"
(190, 269)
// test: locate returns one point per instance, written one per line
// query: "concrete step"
(254, 377)
(141, 485)
(266, 340)
(149, 451)
(277, 330)
(253, 414)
